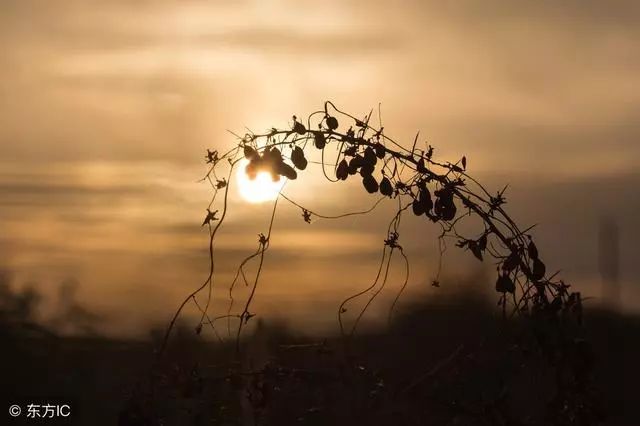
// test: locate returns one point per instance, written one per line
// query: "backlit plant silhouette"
(440, 191)
(444, 194)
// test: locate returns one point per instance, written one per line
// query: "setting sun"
(262, 188)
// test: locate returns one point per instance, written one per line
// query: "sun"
(260, 189)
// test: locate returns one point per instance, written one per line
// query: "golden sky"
(107, 109)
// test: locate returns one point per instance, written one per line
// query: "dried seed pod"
(298, 159)
(252, 168)
(425, 199)
(272, 156)
(511, 262)
(250, 153)
(355, 163)
(418, 207)
(504, 284)
(438, 207)
(449, 211)
(370, 184)
(286, 170)
(385, 187)
(370, 156)
(367, 169)
(342, 172)
(319, 140)
(270, 162)
(445, 208)
(332, 122)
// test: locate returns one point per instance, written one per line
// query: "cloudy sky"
(108, 107)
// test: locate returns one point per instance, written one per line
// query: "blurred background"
(107, 109)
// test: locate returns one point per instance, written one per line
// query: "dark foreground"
(454, 362)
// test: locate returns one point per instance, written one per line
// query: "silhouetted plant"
(442, 192)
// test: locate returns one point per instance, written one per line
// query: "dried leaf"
(211, 217)
(306, 215)
(299, 128)
(475, 249)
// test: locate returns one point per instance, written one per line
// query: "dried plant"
(442, 192)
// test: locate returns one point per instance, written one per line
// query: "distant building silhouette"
(609, 260)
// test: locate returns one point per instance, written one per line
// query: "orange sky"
(107, 109)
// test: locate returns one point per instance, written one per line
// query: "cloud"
(162, 80)
(542, 95)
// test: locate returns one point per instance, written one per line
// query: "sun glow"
(260, 189)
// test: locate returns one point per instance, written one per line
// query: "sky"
(107, 109)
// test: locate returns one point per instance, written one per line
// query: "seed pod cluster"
(433, 188)
(270, 161)
(363, 163)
